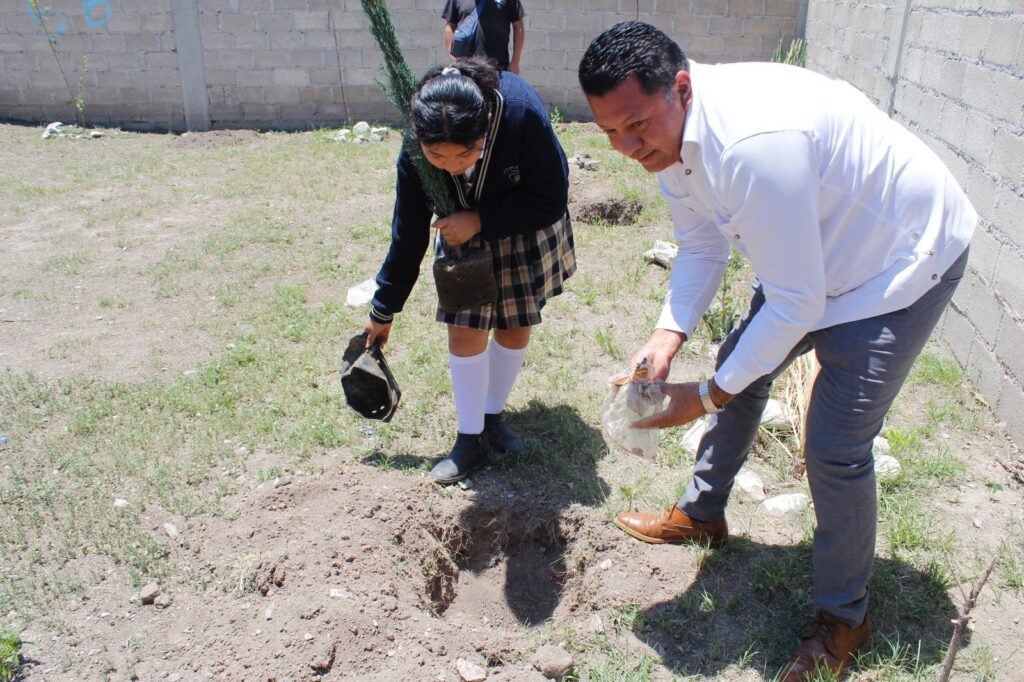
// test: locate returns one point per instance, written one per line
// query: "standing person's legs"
(863, 366)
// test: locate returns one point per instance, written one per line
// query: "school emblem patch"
(512, 173)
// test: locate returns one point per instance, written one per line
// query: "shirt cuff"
(381, 317)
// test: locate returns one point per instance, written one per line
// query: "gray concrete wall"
(953, 71)
(155, 64)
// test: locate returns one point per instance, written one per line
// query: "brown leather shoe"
(672, 526)
(828, 644)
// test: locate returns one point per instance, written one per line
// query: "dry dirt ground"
(359, 568)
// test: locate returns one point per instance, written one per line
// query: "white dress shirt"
(842, 212)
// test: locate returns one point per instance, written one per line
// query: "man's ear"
(683, 86)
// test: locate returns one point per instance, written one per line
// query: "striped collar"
(480, 174)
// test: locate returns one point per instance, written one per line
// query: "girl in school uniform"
(490, 132)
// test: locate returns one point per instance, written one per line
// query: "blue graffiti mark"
(44, 14)
(89, 5)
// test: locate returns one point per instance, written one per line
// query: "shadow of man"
(521, 517)
(749, 602)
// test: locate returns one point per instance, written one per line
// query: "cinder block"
(974, 36)
(726, 26)
(408, 22)
(316, 94)
(979, 134)
(161, 60)
(954, 122)
(1004, 42)
(311, 20)
(788, 7)
(293, 77)
(1008, 220)
(747, 8)
(1008, 157)
(323, 40)
(255, 77)
(122, 22)
(269, 59)
(230, 22)
(280, 94)
(1011, 340)
(702, 47)
(216, 40)
(350, 21)
(144, 42)
(244, 96)
(287, 40)
(221, 77)
(984, 256)
(156, 23)
(250, 40)
(687, 25)
(105, 42)
(561, 40)
(251, 6)
(290, 5)
(312, 59)
(229, 59)
(958, 334)
(986, 373)
(1011, 411)
(983, 309)
(274, 21)
(762, 26)
(1009, 280)
(709, 8)
(324, 76)
(1008, 93)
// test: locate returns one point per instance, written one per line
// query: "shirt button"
(735, 236)
(932, 252)
(915, 236)
(688, 171)
(935, 277)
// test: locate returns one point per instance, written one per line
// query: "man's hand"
(459, 228)
(683, 407)
(659, 351)
(376, 332)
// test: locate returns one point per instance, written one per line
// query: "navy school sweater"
(522, 185)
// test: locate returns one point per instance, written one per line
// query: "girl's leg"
(505, 357)
(467, 359)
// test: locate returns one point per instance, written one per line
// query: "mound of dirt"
(610, 212)
(211, 139)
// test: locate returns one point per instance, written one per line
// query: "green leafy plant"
(10, 656)
(399, 89)
(794, 53)
(727, 307)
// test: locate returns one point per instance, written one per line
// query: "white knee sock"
(505, 365)
(469, 385)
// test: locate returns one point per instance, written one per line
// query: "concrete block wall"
(958, 83)
(158, 64)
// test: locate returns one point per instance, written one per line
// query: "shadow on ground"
(520, 522)
(750, 602)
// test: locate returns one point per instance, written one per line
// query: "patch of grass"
(933, 369)
(10, 656)
(606, 342)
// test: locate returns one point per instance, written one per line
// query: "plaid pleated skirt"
(529, 269)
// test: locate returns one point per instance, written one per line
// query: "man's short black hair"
(631, 48)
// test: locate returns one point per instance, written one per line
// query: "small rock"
(362, 129)
(162, 601)
(466, 484)
(282, 481)
(323, 661)
(340, 593)
(977, 523)
(750, 485)
(553, 662)
(269, 613)
(148, 593)
(605, 565)
(120, 504)
(470, 672)
(887, 467)
(172, 530)
(780, 505)
(691, 439)
(662, 253)
(777, 416)
(881, 446)
(596, 624)
(3, 441)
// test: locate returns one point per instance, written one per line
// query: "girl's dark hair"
(631, 48)
(453, 106)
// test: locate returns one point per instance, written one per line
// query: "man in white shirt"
(858, 237)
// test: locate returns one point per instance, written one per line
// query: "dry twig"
(961, 624)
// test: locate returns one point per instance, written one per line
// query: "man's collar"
(694, 115)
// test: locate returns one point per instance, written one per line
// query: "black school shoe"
(500, 437)
(470, 451)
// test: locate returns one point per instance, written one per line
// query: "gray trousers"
(863, 366)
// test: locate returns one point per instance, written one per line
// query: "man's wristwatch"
(705, 398)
